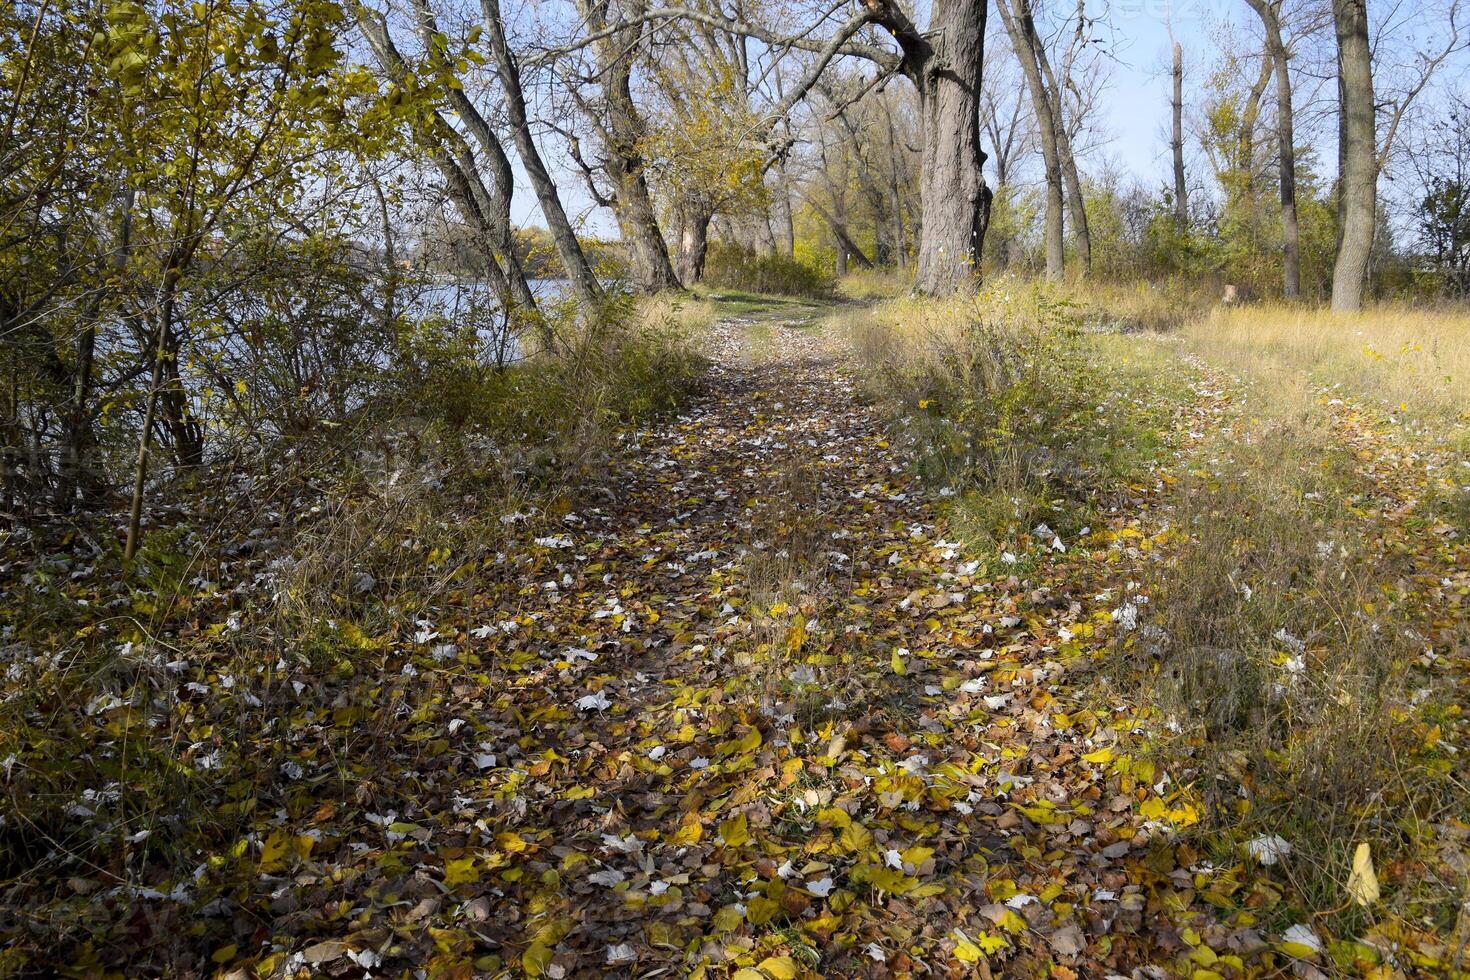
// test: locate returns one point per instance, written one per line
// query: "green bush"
(734, 267)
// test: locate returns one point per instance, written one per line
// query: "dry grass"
(1274, 653)
(1413, 360)
(1006, 399)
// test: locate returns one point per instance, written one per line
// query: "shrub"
(733, 267)
(1000, 397)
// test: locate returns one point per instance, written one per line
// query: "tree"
(945, 64)
(1441, 160)
(1270, 13)
(481, 190)
(1022, 32)
(1359, 154)
(1176, 142)
(578, 270)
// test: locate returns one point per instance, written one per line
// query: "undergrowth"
(1272, 622)
(733, 267)
(126, 773)
(1007, 405)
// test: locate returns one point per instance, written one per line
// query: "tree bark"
(1046, 125)
(1176, 144)
(485, 209)
(1358, 138)
(946, 64)
(494, 201)
(692, 218)
(583, 281)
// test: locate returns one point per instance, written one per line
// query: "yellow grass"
(1410, 360)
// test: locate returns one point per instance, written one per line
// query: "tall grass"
(1274, 663)
(733, 267)
(1397, 356)
(1273, 644)
(1005, 401)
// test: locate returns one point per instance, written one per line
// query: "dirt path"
(754, 709)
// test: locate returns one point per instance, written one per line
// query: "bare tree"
(945, 64)
(578, 270)
(481, 194)
(1066, 156)
(1176, 143)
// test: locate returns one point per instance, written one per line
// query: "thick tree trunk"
(652, 270)
(578, 270)
(1046, 125)
(1176, 144)
(692, 220)
(1358, 138)
(953, 195)
(622, 133)
(1270, 14)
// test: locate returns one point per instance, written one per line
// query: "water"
(463, 300)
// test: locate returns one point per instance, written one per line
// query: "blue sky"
(1134, 107)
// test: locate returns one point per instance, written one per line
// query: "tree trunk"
(785, 212)
(1359, 179)
(954, 199)
(1181, 189)
(1046, 125)
(583, 281)
(485, 209)
(1270, 14)
(1076, 205)
(622, 132)
(692, 220)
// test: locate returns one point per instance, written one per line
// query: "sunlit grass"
(1407, 360)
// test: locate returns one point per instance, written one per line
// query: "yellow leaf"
(747, 974)
(690, 831)
(273, 851)
(726, 919)
(225, 954)
(735, 831)
(1100, 757)
(760, 910)
(1363, 883)
(780, 967)
(967, 952)
(856, 838)
(1011, 922)
(535, 960)
(896, 662)
(750, 741)
(460, 871)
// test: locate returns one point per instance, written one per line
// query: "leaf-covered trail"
(755, 710)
